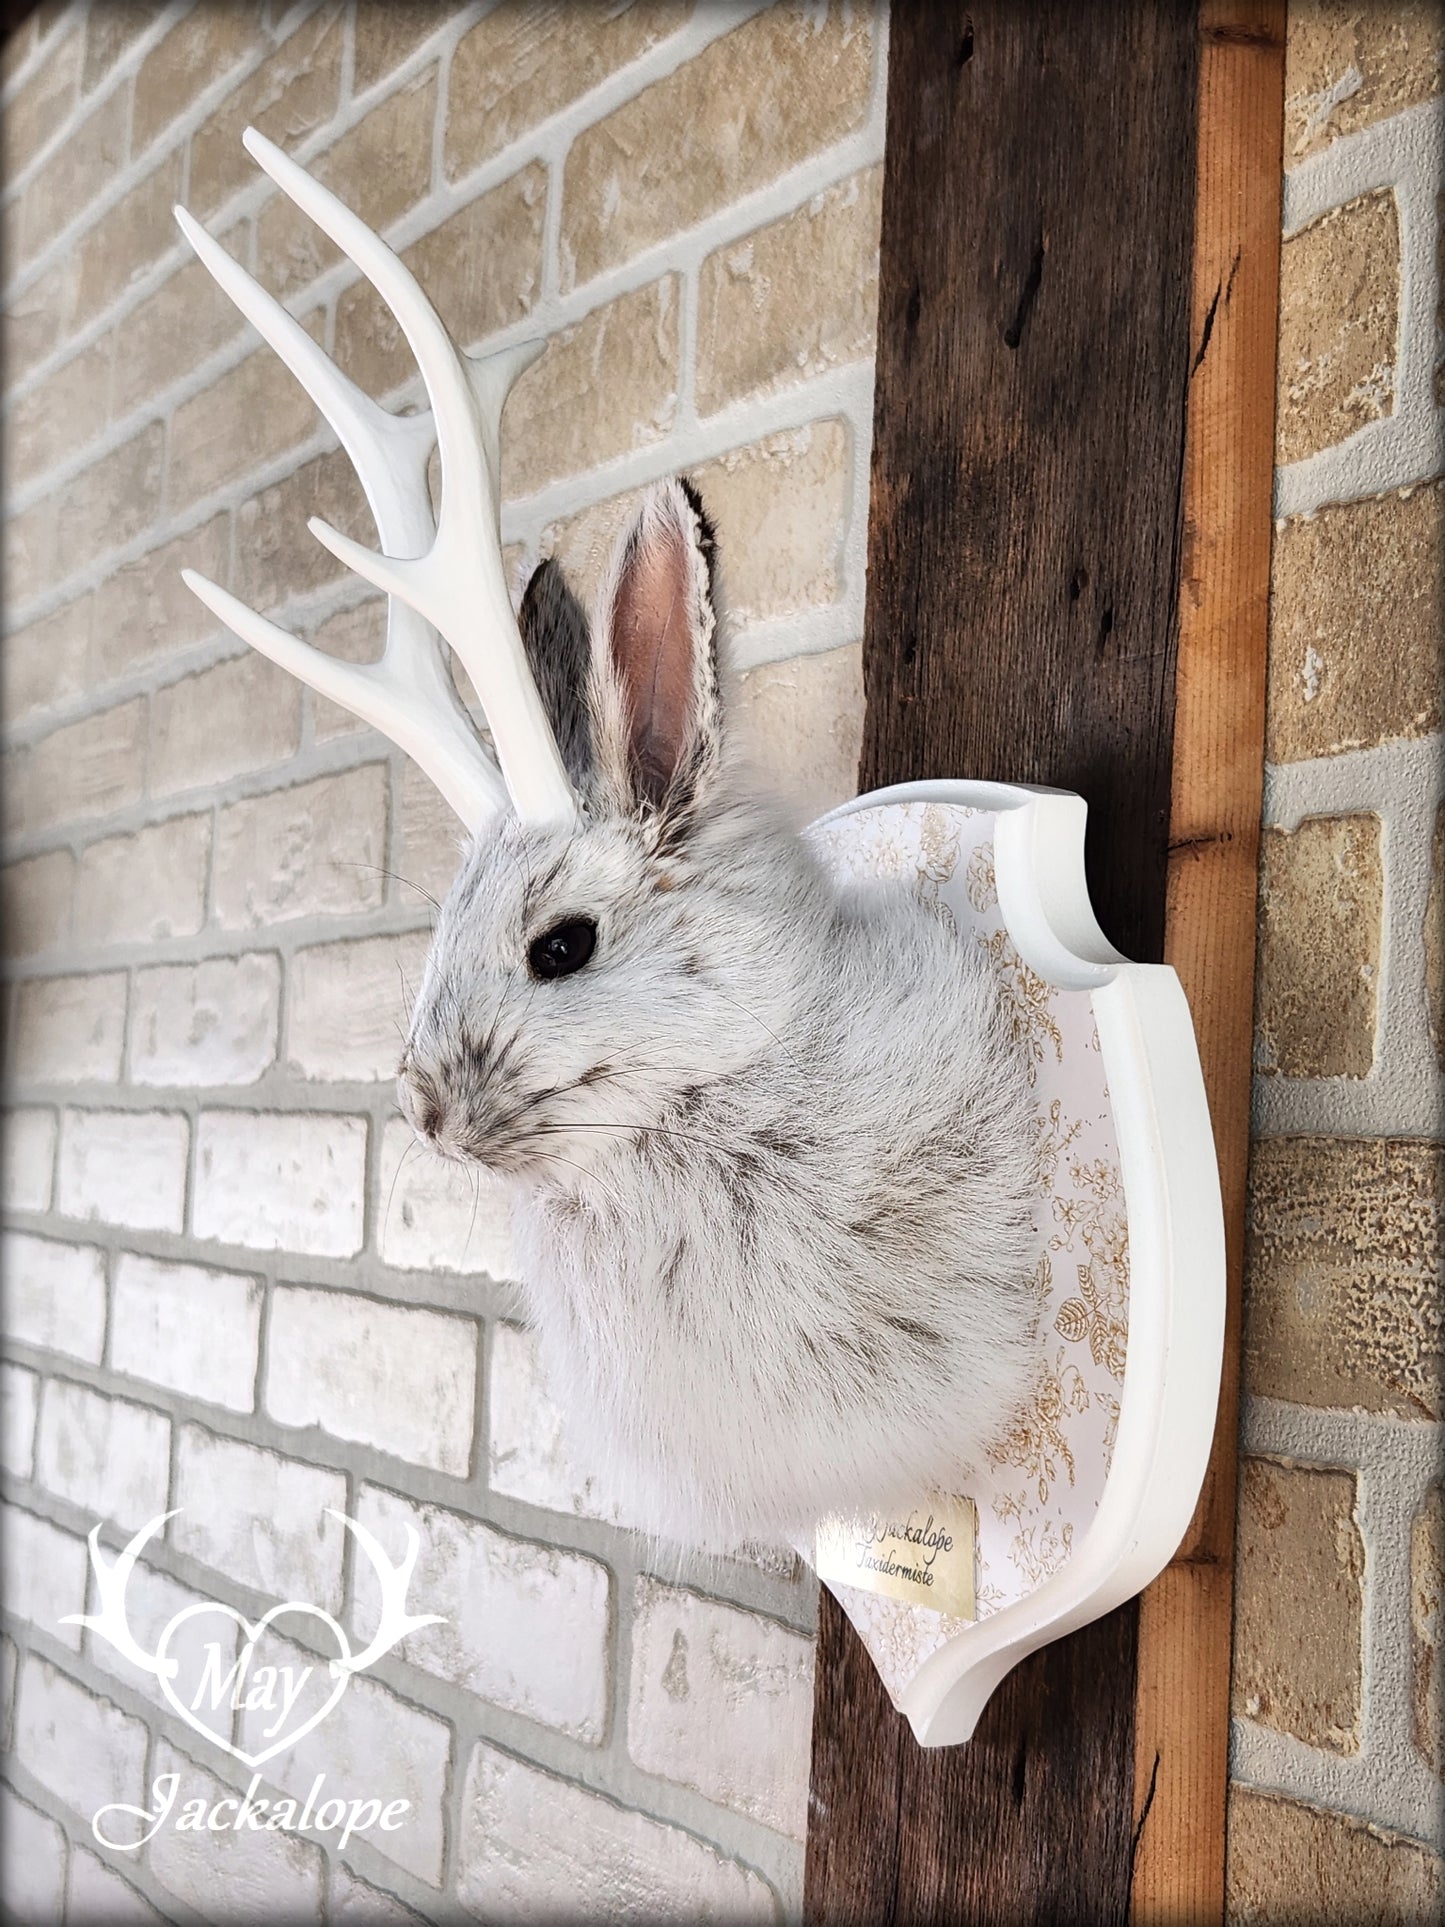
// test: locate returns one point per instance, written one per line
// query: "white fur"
(771, 1155)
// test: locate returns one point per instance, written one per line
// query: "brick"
(756, 102)
(526, 1627)
(431, 840)
(1427, 1628)
(93, 1892)
(55, 1296)
(35, 900)
(386, 38)
(721, 1701)
(348, 1005)
(238, 717)
(523, 63)
(274, 1876)
(399, 1380)
(604, 387)
(32, 550)
(68, 1030)
(19, 1404)
(482, 269)
(1321, 900)
(84, 164)
(207, 43)
(380, 167)
(204, 1024)
(1297, 1663)
(247, 419)
(27, 1156)
(144, 611)
(123, 1167)
(152, 1601)
(107, 1456)
(9, 1662)
(137, 231)
(781, 511)
(1344, 1255)
(45, 1573)
(529, 1844)
(794, 299)
(260, 1519)
(288, 97)
(57, 417)
(281, 1183)
(113, 500)
(277, 556)
(109, 30)
(527, 1450)
(432, 1217)
(38, 317)
(85, 769)
(315, 850)
(1348, 65)
(1434, 941)
(1342, 578)
(193, 1330)
(140, 888)
(1290, 1863)
(1338, 322)
(355, 635)
(32, 1871)
(172, 331)
(40, 105)
(351, 1903)
(371, 1741)
(45, 663)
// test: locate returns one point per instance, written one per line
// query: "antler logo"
(292, 1693)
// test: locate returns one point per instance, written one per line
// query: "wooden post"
(1024, 569)
(1181, 1720)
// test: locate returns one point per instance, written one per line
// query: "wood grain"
(1024, 566)
(1182, 1709)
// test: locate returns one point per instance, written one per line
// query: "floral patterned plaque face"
(1042, 1484)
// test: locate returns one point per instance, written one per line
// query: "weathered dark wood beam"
(1024, 566)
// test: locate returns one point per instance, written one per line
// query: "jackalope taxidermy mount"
(768, 1140)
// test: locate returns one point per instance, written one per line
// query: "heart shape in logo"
(240, 1684)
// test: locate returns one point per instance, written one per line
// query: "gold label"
(924, 1559)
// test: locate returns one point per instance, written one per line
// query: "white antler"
(447, 577)
(396, 1622)
(110, 1583)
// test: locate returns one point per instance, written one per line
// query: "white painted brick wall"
(32, 1868)
(45, 1572)
(721, 1701)
(85, 1750)
(401, 1381)
(183, 1326)
(531, 1844)
(152, 1601)
(281, 1183)
(93, 1892)
(54, 1296)
(107, 1456)
(208, 1023)
(261, 1519)
(526, 1626)
(123, 1168)
(219, 884)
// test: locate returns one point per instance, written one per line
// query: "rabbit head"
(586, 979)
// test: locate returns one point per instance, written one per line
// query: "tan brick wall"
(1338, 1810)
(230, 1289)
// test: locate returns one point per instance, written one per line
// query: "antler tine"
(409, 694)
(459, 583)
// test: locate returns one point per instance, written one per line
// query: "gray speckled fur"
(771, 1150)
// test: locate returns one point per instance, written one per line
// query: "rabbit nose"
(421, 1103)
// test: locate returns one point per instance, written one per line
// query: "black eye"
(564, 948)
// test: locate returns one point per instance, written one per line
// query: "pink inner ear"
(653, 647)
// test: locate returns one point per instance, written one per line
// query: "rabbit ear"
(555, 635)
(658, 656)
